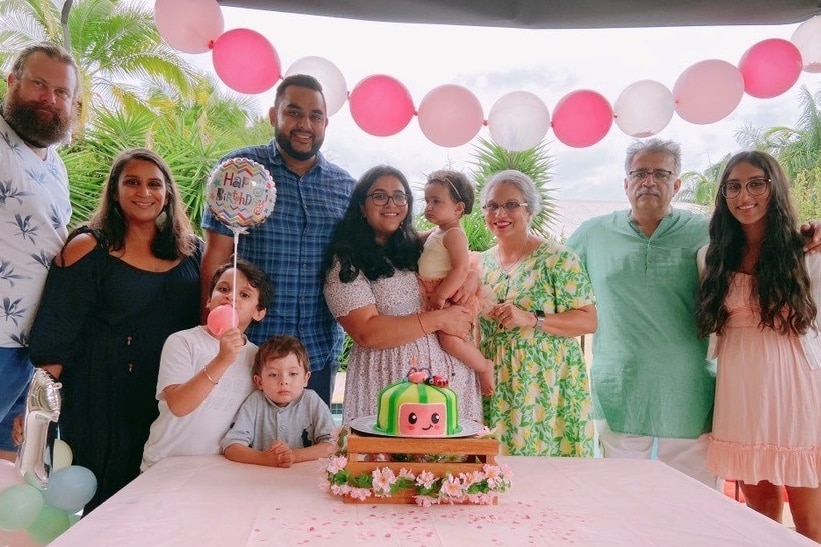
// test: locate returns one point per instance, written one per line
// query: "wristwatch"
(539, 319)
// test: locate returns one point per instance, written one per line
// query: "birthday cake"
(420, 405)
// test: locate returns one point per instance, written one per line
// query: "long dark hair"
(354, 241)
(174, 237)
(781, 285)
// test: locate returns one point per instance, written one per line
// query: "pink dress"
(767, 418)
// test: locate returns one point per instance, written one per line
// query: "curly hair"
(174, 238)
(781, 285)
(354, 241)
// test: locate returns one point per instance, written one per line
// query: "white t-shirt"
(200, 432)
(34, 214)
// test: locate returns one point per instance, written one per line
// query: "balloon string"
(234, 318)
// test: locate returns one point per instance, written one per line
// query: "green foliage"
(798, 150)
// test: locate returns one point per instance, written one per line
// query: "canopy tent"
(553, 13)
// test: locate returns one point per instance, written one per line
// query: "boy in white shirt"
(204, 378)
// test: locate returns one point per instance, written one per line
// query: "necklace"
(520, 253)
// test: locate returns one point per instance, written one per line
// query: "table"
(210, 501)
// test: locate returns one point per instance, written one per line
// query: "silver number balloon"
(42, 407)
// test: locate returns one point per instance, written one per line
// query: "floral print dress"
(541, 405)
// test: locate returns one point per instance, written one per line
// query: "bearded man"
(38, 112)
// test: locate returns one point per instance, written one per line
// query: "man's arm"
(218, 249)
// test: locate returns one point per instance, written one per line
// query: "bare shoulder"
(76, 249)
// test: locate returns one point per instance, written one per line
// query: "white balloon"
(63, 456)
(644, 108)
(333, 82)
(518, 121)
(807, 38)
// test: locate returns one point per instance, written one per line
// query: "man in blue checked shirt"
(312, 194)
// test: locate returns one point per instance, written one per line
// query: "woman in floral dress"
(544, 300)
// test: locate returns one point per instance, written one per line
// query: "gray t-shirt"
(259, 422)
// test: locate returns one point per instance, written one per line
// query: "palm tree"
(115, 44)
(700, 187)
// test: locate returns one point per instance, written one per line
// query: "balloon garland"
(450, 115)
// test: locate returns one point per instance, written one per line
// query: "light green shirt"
(649, 374)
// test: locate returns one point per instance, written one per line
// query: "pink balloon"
(582, 118)
(450, 115)
(644, 108)
(190, 26)
(246, 61)
(770, 68)
(222, 318)
(708, 91)
(807, 38)
(518, 121)
(381, 105)
(333, 83)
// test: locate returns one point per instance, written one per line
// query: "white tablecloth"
(210, 501)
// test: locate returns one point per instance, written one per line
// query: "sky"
(491, 62)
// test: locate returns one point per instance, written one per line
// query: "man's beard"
(26, 118)
(284, 142)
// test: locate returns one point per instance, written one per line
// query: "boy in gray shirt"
(281, 423)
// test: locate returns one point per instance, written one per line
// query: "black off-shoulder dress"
(106, 321)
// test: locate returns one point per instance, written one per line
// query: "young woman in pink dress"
(760, 294)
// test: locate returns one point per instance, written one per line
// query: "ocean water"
(571, 213)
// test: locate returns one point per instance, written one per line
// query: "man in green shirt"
(652, 385)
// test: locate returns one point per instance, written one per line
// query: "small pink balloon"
(582, 118)
(190, 26)
(708, 91)
(770, 68)
(246, 61)
(807, 38)
(381, 105)
(222, 318)
(450, 115)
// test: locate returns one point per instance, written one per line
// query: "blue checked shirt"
(290, 246)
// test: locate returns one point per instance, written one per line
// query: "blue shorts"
(15, 375)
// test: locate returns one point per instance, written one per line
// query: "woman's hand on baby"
(457, 321)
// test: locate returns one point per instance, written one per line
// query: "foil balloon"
(42, 407)
(241, 193)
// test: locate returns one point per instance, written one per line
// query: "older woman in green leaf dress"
(544, 301)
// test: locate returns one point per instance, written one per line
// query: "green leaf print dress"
(541, 405)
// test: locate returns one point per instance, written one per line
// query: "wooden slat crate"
(476, 453)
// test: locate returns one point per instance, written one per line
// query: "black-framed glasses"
(659, 175)
(756, 186)
(381, 198)
(509, 206)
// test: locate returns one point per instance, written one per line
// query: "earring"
(162, 220)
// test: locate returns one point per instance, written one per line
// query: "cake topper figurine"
(425, 376)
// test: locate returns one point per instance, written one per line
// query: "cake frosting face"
(410, 409)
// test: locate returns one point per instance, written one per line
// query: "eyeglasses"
(381, 198)
(756, 186)
(659, 175)
(509, 206)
